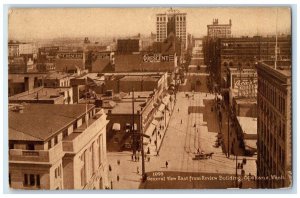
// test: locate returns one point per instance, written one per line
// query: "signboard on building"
(152, 58)
(243, 82)
(70, 55)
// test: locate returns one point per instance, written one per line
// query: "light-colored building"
(171, 21)
(57, 147)
(217, 30)
(274, 125)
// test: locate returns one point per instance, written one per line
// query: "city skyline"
(48, 23)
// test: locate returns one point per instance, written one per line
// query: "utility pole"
(142, 147)
(228, 134)
(132, 127)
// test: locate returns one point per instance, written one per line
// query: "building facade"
(217, 30)
(57, 147)
(243, 52)
(172, 21)
(274, 126)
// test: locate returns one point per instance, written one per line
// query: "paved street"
(180, 144)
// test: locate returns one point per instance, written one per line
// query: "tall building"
(172, 21)
(243, 52)
(274, 102)
(217, 30)
(57, 147)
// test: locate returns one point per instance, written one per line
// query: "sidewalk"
(159, 134)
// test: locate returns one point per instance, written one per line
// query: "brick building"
(274, 124)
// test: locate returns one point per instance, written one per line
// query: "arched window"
(225, 64)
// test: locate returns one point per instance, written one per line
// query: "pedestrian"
(118, 162)
(167, 164)
(137, 170)
(118, 178)
(109, 168)
(178, 110)
(132, 157)
(181, 121)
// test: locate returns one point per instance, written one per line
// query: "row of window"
(90, 158)
(273, 95)
(57, 172)
(31, 180)
(178, 18)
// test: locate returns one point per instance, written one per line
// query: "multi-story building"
(274, 160)
(57, 147)
(217, 30)
(125, 46)
(172, 21)
(243, 52)
(16, 49)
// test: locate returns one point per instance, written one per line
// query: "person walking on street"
(167, 164)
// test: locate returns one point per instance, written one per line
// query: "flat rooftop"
(39, 122)
(41, 93)
(125, 107)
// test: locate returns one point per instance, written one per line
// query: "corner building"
(57, 147)
(274, 126)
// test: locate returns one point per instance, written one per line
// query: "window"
(55, 140)
(65, 133)
(38, 183)
(25, 180)
(49, 144)
(30, 147)
(31, 180)
(9, 179)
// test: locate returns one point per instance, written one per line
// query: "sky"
(45, 23)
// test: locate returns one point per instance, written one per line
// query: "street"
(198, 129)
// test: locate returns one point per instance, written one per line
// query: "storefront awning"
(116, 127)
(158, 114)
(151, 127)
(250, 145)
(161, 107)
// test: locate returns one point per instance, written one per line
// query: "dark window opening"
(30, 146)
(38, 183)
(31, 179)
(25, 179)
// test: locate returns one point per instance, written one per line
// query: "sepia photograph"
(135, 98)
